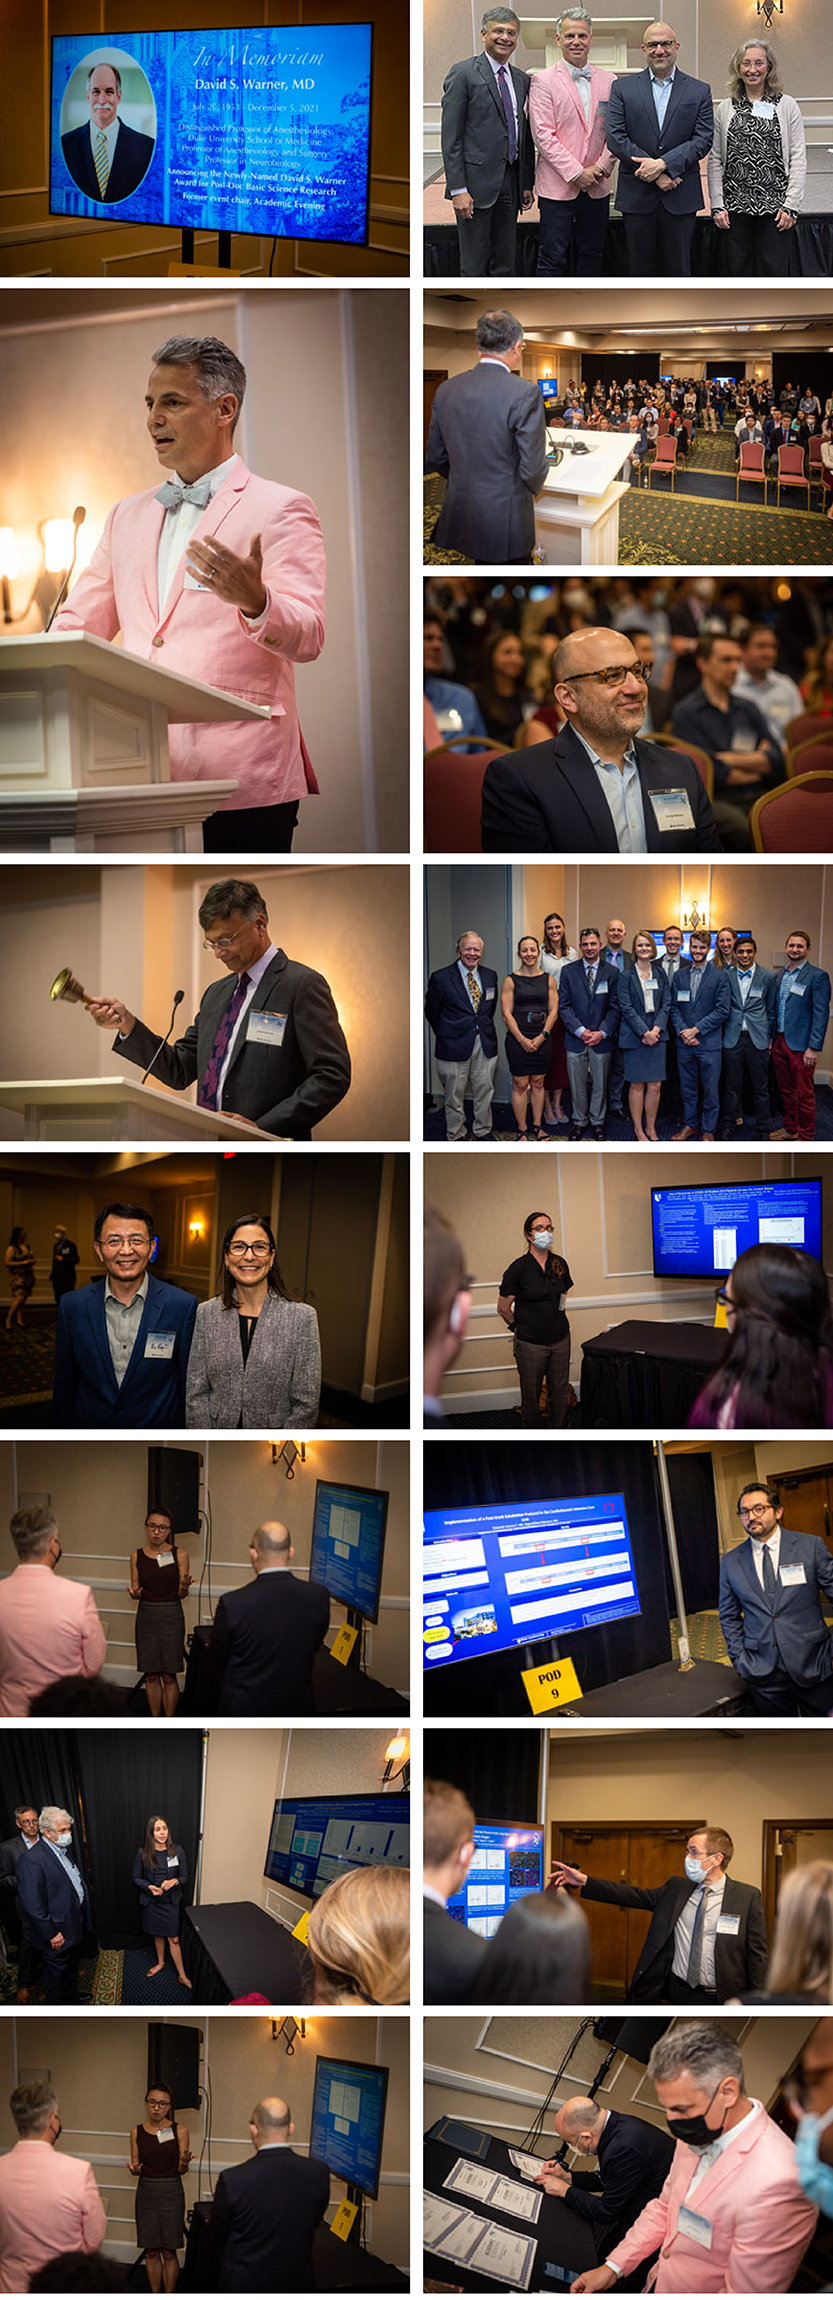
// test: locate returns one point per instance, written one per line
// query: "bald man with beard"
(596, 788)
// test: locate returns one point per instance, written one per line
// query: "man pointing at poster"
(218, 575)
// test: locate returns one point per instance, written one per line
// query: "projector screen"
(507, 1863)
(511, 1574)
(348, 1544)
(348, 2120)
(264, 131)
(699, 1232)
(315, 1839)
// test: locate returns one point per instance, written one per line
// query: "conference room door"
(807, 1496)
(790, 1845)
(624, 1853)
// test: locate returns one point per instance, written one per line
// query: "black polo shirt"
(538, 1294)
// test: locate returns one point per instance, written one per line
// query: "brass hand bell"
(66, 985)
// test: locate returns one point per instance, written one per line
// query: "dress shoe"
(686, 1134)
(598, 1133)
(577, 1134)
(779, 1134)
(707, 1138)
(23, 1996)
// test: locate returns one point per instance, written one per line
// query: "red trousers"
(797, 1090)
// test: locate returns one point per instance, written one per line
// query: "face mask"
(65, 1837)
(542, 1239)
(694, 1870)
(816, 2178)
(694, 2130)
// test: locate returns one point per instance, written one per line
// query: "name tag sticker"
(266, 1029)
(160, 1345)
(796, 990)
(728, 1926)
(762, 111)
(173, 1860)
(683, 997)
(672, 810)
(489, 994)
(793, 1576)
(165, 1557)
(695, 2226)
(602, 989)
(165, 2132)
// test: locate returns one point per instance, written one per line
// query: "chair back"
(805, 724)
(815, 451)
(702, 759)
(751, 459)
(666, 450)
(811, 757)
(797, 818)
(452, 788)
(791, 464)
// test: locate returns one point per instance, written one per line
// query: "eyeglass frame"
(258, 1252)
(641, 671)
(224, 941)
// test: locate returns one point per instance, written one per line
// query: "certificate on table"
(461, 2234)
(493, 2188)
(528, 2166)
(511, 2196)
(470, 2180)
(438, 2220)
(504, 2258)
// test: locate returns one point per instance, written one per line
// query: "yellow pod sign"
(550, 1687)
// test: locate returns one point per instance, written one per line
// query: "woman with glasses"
(777, 1370)
(160, 1576)
(255, 1358)
(757, 165)
(160, 2151)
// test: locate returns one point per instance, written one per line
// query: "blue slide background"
(491, 1597)
(353, 1580)
(352, 2156)
(233, 158)
(522, 1872)
(683, 1221)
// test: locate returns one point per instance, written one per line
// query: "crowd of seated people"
(688, 407)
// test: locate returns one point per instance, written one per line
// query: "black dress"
(532, 997)
(161, 1917)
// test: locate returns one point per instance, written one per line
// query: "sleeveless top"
(159, 1584)
(159, 2159)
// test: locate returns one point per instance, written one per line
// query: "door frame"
(769, 1858)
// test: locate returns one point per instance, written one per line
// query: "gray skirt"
(160, 1638)
(160, 2214)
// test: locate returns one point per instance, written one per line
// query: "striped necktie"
(102, 164)
(208, 1095)
(695, 1954)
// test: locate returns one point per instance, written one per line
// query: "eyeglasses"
(653, 47)
(223, 942)
(799, 2088)
(259, 1253)
(614, 676)
(722, 1296)
(120, 1245)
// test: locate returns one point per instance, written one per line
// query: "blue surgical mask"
(543, 1240)
(816, 2178)
(694, 1870)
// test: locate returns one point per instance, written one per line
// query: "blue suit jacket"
(86, 1394)
(796, 1632)
(633, 1013)
(601, 1012)
(759, 1012)
(634, 134)
(711, 1009)
(449, 1011)
(806, 1014)
(49, 1896)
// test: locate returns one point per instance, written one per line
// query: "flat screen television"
(510, 1573)
(347, 2125)
(658, 933)
(260, 130)
(348, 1544)
(698, 1231)
(548, 387)
(315, 1839)
(508, 1861)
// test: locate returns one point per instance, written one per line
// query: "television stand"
(223, 249)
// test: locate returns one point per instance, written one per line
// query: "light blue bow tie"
(581, 71)
(174, 493)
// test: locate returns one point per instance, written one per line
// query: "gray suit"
(475, 145)
(488, 438)
(280, 1384)
(784, 1652)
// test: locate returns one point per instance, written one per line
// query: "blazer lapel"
(209, 523)
(150, 1318)
(678, 85)
(98, 1336)
(264, 991)
(572, 90)
(490, 83)
(581, 775)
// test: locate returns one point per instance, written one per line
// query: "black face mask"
(694, 2130)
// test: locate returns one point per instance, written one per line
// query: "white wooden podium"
(577, 516)
(84, 758)
(113, 1109)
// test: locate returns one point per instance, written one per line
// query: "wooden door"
(602, 1853)
(808, 1502)
(432, 378)
(654, 1855)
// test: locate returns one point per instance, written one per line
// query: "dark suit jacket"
(131, 160)
(474, 132)
(266, 2212)
(634, 1018)
(12, 1850)
(711, 1007)
(687, 135)
(286, 1089)
(633, 2164)
(488, 438)
(575, 1006)
(805, 1016)
(758, 1013)
(449, 1011)
(548, 800)
(795, 1633)
(452, 1957)
(152, 1395)
(265, 1638)
(741, 1958)
(49, 1897)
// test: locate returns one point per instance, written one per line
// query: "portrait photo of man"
(106, 158)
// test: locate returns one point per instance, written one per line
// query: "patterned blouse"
(754, 176)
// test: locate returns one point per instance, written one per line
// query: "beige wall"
(245, 1774)
(734, 1778)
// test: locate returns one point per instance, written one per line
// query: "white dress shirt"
(661, 91)
(474, 971)
(684, 1929)
(178, 528)
(623, 792)
(580, 74)
(254, 973)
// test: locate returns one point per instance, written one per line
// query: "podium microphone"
(78, 518)
(178, 998)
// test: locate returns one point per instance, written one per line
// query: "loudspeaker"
(174, 2059)
(174, 1484)
(635, 2037)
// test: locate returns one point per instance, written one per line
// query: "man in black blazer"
(460, 1006)
(634, 2159)
(12, 1851)
(266, 2211)
(487, 148)
(452, 1956)
(106, 159)
(54, 1894)
(595, 789)
(266, 1045)
(265, 1637)
(660, 124)
(770, 1605)
(707, 1937)
(488, 439)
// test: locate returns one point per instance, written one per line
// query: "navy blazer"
(759, 1011)
(601, 1012)
(286, 1088)
(634, 1018)
(131, 159)
(265, 1638)
(85, 1391)
(451, 1016)
(49, 1896)
(686, 138)
(266, 2212)
(143, 1878)
(634, 2161)
(548, 800)
(711, 1007)
(807, 1011)
(795, 1633)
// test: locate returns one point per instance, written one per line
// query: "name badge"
(165, 2132)
(728, 1926)
(488, 994)
(266, 1029)
(160, 1345)
(173, 1860)
(649, 996)
(672, 810)
(602, 989)
(761, 110)
(683, 997)
(695, 2226)
(165, 1557)
(793, 1576)
(796, 989)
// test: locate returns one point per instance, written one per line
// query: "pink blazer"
(49, 2203)
(566, 141)
(49, 1628)
(761, 2220)
(204, 639)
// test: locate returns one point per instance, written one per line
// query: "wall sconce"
(289, 1453)
(695, 915)
(288, 2029)
(398, 1748)
(8, 568)
(196, 1231)
(769, 8)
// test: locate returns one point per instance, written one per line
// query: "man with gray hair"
(54, 1893)
(266, 2211)
(217, 574)
(49, 1625)
(49, 2202)
(732, 2216)
(633, 2159)
(266, 1044)
(106, 159)
(488, 440)
(487, 148)
(460, 1008)
(266, 1635)
(568, 118)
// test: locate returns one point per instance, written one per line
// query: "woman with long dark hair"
(160, 2151)
(531, 1303)
(20, 1263)
(255, 1358)
(556, 953)
(159, 1872)
(503, 692)
(777, 1370)
(540, 1954)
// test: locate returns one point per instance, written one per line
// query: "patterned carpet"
(26, 1363)
(113, 1977)
(616, 1129)
(99, 1980)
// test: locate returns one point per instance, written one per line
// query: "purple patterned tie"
(208, 1095)
(506, 101)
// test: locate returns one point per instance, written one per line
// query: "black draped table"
(646, 1374)
(809, 254)
(336, 2267)
(563, 2240)
(233, 1949)
(336, 1691)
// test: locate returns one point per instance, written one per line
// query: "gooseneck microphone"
(78, 518)
(178, 998)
